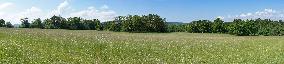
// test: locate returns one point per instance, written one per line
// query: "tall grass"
(102, 47)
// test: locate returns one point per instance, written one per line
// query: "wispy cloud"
(5, 5)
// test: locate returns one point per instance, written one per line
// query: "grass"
(45, 46)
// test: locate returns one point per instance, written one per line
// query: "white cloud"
(104, 13)
(5, 5)
(264, 14)
(64, 9)
(61, 9)
(32, 13)
(221, 17)
(245, 15)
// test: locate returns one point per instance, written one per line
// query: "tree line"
(239, 27)
(130, 23)
(154, 23)
(58, 22)
(7, 24)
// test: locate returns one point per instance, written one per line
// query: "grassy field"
(102, 47)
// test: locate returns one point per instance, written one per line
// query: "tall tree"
(159, 24)
(47, 23)
(126, 23)
(201, 26)
(98, 24)
(74, 23)
(59, 22)
(88, 24)
(37, 23)
(2, 23)
(218, 26)
(25, 23)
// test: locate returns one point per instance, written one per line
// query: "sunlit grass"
(103, 47)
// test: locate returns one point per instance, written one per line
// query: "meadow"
(45, 46)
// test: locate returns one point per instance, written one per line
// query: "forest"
(155, 23)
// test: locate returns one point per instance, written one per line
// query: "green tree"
(201, 26)
(58, 22)
(237, 27)
(218, 26)
(107, 25)
(127, 25)
(2, 23)
(157, 24)
(189, 28)
(88, 25)
(37, 23)
(138, 25)
(74, 23)
(98, 24)
(144, 23)
(25, 23)
(176, 28)
(91, 24)
(48, 24)
(244, 28)
(9, 25)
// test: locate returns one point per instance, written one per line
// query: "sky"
(173, 10)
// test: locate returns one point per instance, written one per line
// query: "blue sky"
(173, 10)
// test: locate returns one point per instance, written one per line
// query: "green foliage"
(107, 25)
(58, 22)
(200, 26)
(55, 22)
(2, 23)
(176, 28)
(37, 23)
(75, 23)
(136, 23)
(89, 25)
(154, 23)
(48, 24)
(9, 25)
(25, 23)
(218, 26)
(238, 27)
(265, 27)
(98, 24)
